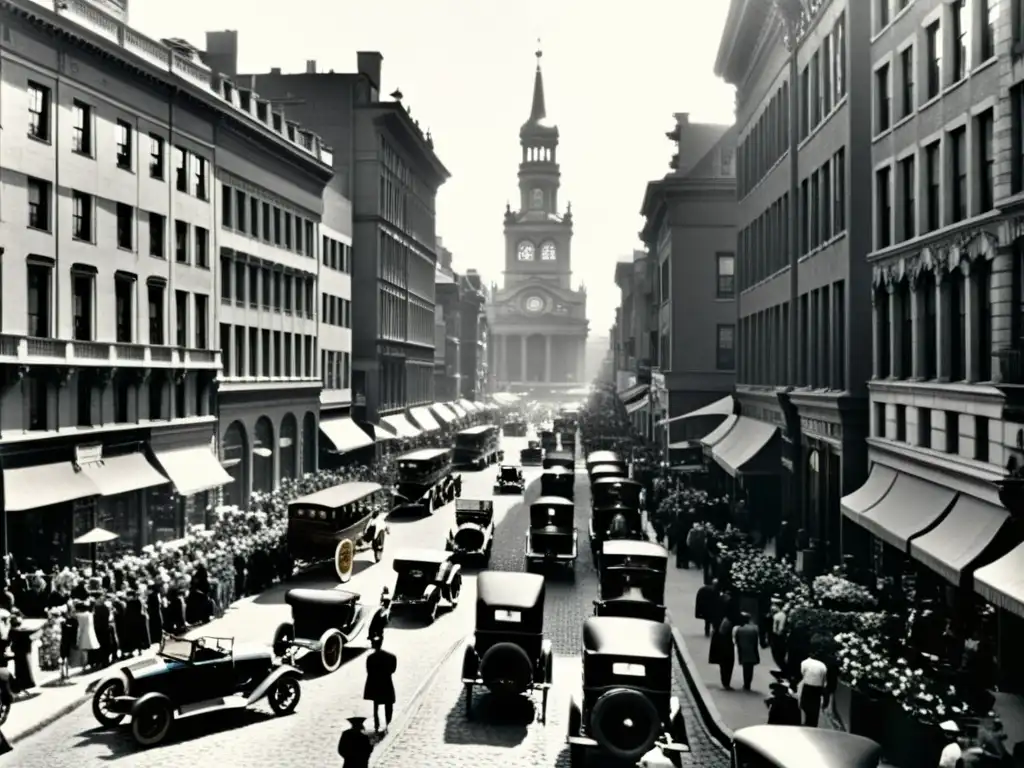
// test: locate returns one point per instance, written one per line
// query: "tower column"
(547, 358)
(522, 352)
(581, 354)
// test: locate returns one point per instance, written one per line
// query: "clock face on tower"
(525, 251)
(534, 304)
(547, 251)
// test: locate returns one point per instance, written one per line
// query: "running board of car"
(210, 705)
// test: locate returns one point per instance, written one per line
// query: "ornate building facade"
(538, 321)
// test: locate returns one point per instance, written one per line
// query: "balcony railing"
(26, 350)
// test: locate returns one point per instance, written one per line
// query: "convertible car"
(509, 479)
(473, 534)
(532, 455)
(323, 620)
(426, 577)
(193, 677)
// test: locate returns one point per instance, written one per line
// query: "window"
(986, 162)
(124, 299)
(38, 111)
(39, 204)
(156, 313)
(124, 145)
(180, 169)
(961, 40)
(1018, 22)
(156, 157)
(924, 427)
(202, 251)
(839, 51)
(883, 105)
(202, 320)
(81, 216)
(666, 291)
(726, 348)
(933, 42)
(980, 438)
(181, 242)
(265, 220)
(989, 18)
(958, 162)
(81, 128)
(726, 263)
(277, 226)
(240, 210)
(909, 201)
(901, 423)
(883, 207)
(907, 81)
(38, 401)
(40, 293)
(881, 14)
(200, 186)
(83, 385)
(227, 207)
(157, 225)
(839, 191)
(933, 185)
(952, 432)
(181, 318)
(254, 217)
(1017, 137)
(83, 286)
(125, 227)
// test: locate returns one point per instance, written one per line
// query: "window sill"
(159, 256)
(86, 240)
(44, 230)
(126, 167)
(87, 154)
(40, 139)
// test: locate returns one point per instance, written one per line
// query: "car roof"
(478, 430)
(631, 547)
(433, 556)
(615, 480)
(510, 589)
(509, 466)
(617, 468)
(603, 457)
(619, 636)
(558, 471)
(799, 746)
(319, 596)
(551, 501)
(423, 453)
(337, 495)
(560, 455)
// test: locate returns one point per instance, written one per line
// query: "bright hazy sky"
(614, 74)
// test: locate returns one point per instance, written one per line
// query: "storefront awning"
(468, 406)
(505, 398)
(123, 474)
(457, 409)
(380, 433)
(911, 507)
(345, 435)
(747, 440)
(724, 407)
(424, 419)
(444, 413)
(192, 470)
(638, 404)
(715, 436)
(873, 491)
(1002, 582)
(402, 426)
(954, 544)
(44, 485)
(632, 393)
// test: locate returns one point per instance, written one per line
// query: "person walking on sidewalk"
(708, 606)
(355, 746)
(380, 688)
(813, 676)
(696, 545)
(722, 652)
(746, 638)
(776, 633)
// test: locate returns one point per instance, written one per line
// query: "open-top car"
(558, 481)
(515, 426)
(603, 471)
(552, 538)
(426, 579)
(532, 455)
(508, 653)
(323, 621)
(555, 458)
(632, 579)
(604, 457)
(473, 534)
(789, 746)
(193, 677)
(509, 480)
(626, 709)
(609, 491)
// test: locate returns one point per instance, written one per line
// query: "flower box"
(907, 742)
(859, 712)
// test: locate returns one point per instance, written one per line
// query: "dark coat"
(378, 623)
(155, 608)
(721, 650)
(379, 688)
(136, 625)
(747, 644)
(784, 710)
(708, 604)
(355, 748)
(103, 623)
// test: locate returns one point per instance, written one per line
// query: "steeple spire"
(537, 111)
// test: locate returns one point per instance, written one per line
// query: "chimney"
(310, 66)
(275, 70)
(222, 52)
(368, 63)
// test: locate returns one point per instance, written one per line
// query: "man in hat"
(355, 746)
(952, 753)
(380, 688)
(783, 708)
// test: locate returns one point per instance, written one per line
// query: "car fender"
(263, 688)
(429, 592)
(455, 571)
(470, 662)
(677, 723)
(547, 658)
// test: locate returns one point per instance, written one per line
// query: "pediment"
(535, 299)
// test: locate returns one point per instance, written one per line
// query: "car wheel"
(378, 549)
(469, 702)
(432, 610)
(151, 720)
(455, 591)
(283, 637)
(284, 695)
(332, 645)
(101, 700)
(625, 723)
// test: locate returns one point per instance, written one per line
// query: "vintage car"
(515, 426)
(548, 440)
(609, 491)
(193, 677)
(508, 653)
(604, 457)
(477, 447)
(425, 481)
(626, 709)
(558, 481)
(792, 746)
(425, 579)
(323, 621)
(613, 521)
(532, 455)
(552, 538)
(473, 534)
(568, 441)
(602, 471)
(632, 579)
(509, 479)
(559, 459)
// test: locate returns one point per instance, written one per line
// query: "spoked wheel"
(151, 721)
(101, 701)
(331, 648)
(284, 696)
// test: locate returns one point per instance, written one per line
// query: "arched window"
(309, 442)
(263, 457)
(537, 199)
(289, 443)
(235, 458)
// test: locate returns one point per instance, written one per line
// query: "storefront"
(343, 441)
(749, 454)
(401, 425)
(424, 419)
(188, 458)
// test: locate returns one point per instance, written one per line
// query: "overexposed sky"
(614, 74)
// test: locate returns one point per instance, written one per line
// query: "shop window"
(156, 398)
(84, 396)
(122, 389)
(121, 515)
(165, 522)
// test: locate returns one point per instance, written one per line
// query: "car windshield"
(509, 473)
(176, 648)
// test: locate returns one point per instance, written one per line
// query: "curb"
(50, 718)
(415, 703)
(709, 713)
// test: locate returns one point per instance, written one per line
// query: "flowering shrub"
(835, 592)
(828, 622)
(761, 574)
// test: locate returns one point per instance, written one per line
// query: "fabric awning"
(745, 441)
(1002, 582)
(911, 506)
(123, 474)
(638, 404)
(402, 426)
(718, 434)
(380, 433)
(873, 491)
(468, 406)
(724, 407)
(457, 409)
(44, 485)
(345, 435)
(632, 393)
(424, 419)
(446, 414)
(505, 398)
(954, 544)
(193, 470)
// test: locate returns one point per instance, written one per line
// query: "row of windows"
(765, 143)
(246, 214)
(392, 314)
(336, 311)
(421, 322)
(336, 369)
(266, 285)
(823, 80)
(928, 419)
(336, 255)
(823, 204)
(392, 260)
(248, 352)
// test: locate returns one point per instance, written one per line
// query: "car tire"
(152, 716)
(469, 701)
(283, 637)
(506, 668)
(332, 647)
(378, 548)
(432, 609)
(283, 696)
(108, 689)
(455, 591)
(610, 706)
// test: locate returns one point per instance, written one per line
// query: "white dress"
(86, 632)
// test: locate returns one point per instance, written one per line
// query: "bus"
(477, 446)
(425, 480)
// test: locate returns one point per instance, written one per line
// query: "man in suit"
(748, 654)
(380, 688)
(354, 746)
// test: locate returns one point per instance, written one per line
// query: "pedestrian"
(776, 633)
(813, 676)
(354, 746)
(696, 546)
(708, 606)
(745, 636)
(723, 653)
(683, 525)
(381, 617)
(380, 688)
(952, 753)
(783, 708)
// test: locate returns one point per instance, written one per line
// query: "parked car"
(602, 471)
(607, 491)
(554, 458)
(552, 537)
(508, 653)
(532, 455)
(614, 521)
(473, 534)
(790, 746)
(323, 621)
(632, 580)
(626, 709)
(604, 457)
(509, 479)
(558, 481)
(193, 677)
(426, 579)
(515, 427)
(548, 440)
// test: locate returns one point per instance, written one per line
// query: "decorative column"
(1001, 301)
(895, 337)
(944, 325)
(522, 352)
(917, 328)
(973, 340)
(547, 358)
